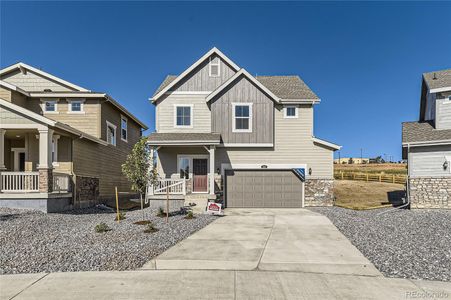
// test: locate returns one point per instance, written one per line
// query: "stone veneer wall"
(430, 192)
(319, 192)
(45, 180)
(86, 191)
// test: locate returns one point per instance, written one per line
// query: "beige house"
(218, 128)
(61, 145)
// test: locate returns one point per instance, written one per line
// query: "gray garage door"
(263, 188)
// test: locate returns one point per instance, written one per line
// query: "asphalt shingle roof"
(442, 79)
(164, 138)
(413, 132)
(285, 87)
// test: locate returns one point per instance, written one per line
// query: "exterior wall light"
(310, 171)
(445, 165)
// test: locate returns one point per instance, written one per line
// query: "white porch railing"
(173, 186)
(12, 182)
(61, 183)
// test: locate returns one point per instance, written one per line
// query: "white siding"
(428, 161)
(443, 113)
(201, 113)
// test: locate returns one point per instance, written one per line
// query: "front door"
(200, 175)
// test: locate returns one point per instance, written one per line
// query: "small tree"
(139, 169)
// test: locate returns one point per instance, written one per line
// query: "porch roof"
(177, 138)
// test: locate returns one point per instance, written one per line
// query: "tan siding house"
(220, 129)
(61, 146)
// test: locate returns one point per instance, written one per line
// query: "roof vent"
(434, 77)
(47, 90)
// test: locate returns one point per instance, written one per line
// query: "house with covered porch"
(61, 145)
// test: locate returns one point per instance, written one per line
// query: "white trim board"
(250, 117)
(326, 143)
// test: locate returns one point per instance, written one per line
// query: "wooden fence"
(387, 178)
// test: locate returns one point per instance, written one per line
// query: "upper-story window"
(110, 133)
(76, 106)
(183, 116)
(124, 132)
(242, 117)
(214, 67)
(290, 112)
(50, 106)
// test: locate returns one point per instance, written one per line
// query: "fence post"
(380, 178)
(341, 175)
(393, 178)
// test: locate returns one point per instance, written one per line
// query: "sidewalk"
(214, 284)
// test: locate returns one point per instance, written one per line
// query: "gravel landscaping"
(31, 241)
(413, 244)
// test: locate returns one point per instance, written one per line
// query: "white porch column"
(45, 148)
(212, 170)
(2, 149)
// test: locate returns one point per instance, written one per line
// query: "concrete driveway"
(268, 239)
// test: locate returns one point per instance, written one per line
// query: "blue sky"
(363, 59)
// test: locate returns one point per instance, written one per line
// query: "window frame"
(109, 124)
(44, 106)
(191, 106)
(126, 128)
(82, 106)
(213, 63)
(234, 105)
(296, 112)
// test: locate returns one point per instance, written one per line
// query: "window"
(50, 106)
(242, 117)
(110, 133)
(124, 128)
(183, 115)
(290, 112)
(76, 106)
(184, 167)
(214, 69)
(55, 139)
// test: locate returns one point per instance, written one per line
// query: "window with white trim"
(124, 133)
(290, 112)
(50, 106)
(110, 133)
(76, 106)
(183, 115)
(214, 67)
(242, 117)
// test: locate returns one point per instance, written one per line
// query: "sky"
(363, 59)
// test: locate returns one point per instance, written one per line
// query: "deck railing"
(171, 186)
(61, 183)
(19, 182)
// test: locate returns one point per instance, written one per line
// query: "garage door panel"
(263, 188)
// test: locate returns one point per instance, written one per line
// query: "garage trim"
(258, 167)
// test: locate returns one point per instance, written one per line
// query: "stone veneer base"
(319, 192)
(430, 192)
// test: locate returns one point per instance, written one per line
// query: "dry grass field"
(372, 168)
(364, 195)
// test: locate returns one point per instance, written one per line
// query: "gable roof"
(22, 66)
(214, 50)
(424, 132)
(438, 81)
(249, 77)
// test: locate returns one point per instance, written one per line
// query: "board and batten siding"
(293, 145)
(32, 82)
(199, 79)
(443, 114)
(428, 161)
(165, 112)
(243, 91)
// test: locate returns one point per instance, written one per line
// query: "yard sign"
(214, 208)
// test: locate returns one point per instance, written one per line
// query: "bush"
(161, 212)
(189, 215)
(150, 228)
(102, 227)
(143, 222)
(121, 216)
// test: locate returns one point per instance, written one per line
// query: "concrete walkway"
(271, 240)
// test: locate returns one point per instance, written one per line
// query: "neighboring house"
(61, 145)
(220, 128)
(352, 160)
(427, 144)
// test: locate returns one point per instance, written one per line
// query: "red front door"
(200, 177)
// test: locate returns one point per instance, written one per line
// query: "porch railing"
(11, 182)
(173, 186)
(61, 183)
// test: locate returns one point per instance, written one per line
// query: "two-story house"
(427, 144)
(220, 128)
(61, 145)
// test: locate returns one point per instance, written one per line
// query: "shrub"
(102, 227)
(150, 228)
(143, 222)
(121, 216)
(161, 212)
(189, 215)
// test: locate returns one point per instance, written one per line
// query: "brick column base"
(45, 180)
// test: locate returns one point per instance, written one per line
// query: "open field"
(363, 195)
(372, 168)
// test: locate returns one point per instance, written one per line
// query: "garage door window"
(242, 117)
